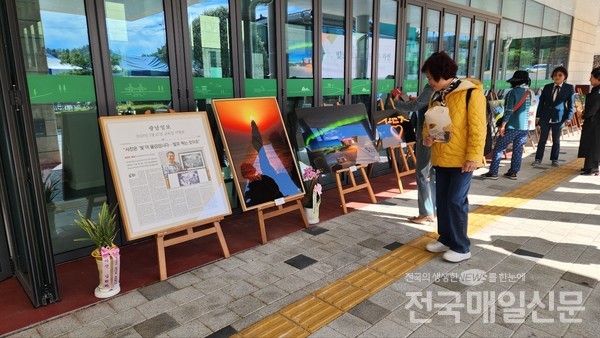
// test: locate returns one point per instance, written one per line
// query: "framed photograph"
(258, 148)
(192, 160)
(337, 137)
(165, 170)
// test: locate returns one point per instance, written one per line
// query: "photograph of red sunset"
(257, 146)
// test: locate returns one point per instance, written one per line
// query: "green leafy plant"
(50, 185)
(102, 232)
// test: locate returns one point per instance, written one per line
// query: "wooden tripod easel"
(365, 185)
(190, 233)
(405, 170)
(264, 215)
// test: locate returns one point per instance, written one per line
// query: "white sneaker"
(436, 247)
(455, 257)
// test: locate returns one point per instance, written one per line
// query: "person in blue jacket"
(514, 127)
(555, 107)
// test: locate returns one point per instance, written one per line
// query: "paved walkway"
(534, 272)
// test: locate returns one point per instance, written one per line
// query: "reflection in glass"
(513, 9)
(550, 18)
(137, 43)
(510, 37)
(449, 34)
(211, 59)
(534, 13)
(362, 47)
(413, 47)
(299, 54)
(564, 25)
(333, 41)
(477, 49)
(258, 35)
(433, 32)
(63, 102)
(489, 55)
(487, 5)
(463, 46)
(387, 47)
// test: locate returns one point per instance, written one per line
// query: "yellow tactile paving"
(325, 305)
(311, 313)
(342, 295)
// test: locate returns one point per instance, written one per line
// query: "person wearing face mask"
(458, 154)
(555, 107)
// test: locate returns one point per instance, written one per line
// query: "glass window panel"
(137, 44)
(510, 36)
(564, 26)
(477, 49)
(332, 61)
(432, 33)
(59, 74)
(550, 18)
(299, 54)
(493, 6)
(258, 35)
(529, 55)
(513, 9)
(460, 2)
(211, 58)
(463, 46)
(489, 55)
(534, 13)
(362, 46)
(449, 42)
(387, 47)
(413, 48)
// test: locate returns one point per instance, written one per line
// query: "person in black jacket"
(555, 107)
(589, 144)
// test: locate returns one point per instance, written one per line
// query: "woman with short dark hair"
(555, 107)
(458, 156)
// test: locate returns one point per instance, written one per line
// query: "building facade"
(63, 64)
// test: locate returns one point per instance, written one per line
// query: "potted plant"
(106, 254)
(314, 189)
(50, 192)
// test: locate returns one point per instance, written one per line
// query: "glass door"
(333, 51)
(137, 42)
(60, 78)
(362, 51)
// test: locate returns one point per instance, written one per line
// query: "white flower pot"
(312, 214)
(104, 290)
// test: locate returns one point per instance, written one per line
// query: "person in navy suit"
(555, 107)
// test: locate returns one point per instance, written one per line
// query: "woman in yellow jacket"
(455, 159)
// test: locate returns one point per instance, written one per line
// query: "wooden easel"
(365, 185)
(263, 215)
(405, 170)
(162, 242)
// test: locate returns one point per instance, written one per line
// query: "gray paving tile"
(270, 294)
(451, 282)
(527, 331)
(349, 325)
(208, 271)
(157, 290)
(194, 328)
(245, 306)
(94, 313)
(389, 299)
(449, 324)
(183, 296)
(29, 333)
(184, 280)
(124, 320)
(156, 307)
(481, 329)
(97, 329)
(527, 253)
(263, 279)
(372, 243)
(369, 312)
(129, 333)
(255, 266)
(156, 325)
(427, 331)
(58, 326)
(507, 245)
(219, 318)
(189, 311)
(234, 276)
(127, 301)
(580, 279)
(250, 255)
(327, 332)
(291, 284)
(240, 289)
(211, 284)
(387, 328)
(300, 262)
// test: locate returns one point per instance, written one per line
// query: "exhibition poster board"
(261, 159)
(165, 170)
(337, 137)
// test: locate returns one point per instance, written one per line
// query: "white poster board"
(165, 170)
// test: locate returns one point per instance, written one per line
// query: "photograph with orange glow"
(261, 159)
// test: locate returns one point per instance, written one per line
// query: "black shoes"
(512, 176)
(489, 176)
(589, 172)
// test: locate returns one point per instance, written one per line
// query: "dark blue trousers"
(452, 188)
(545, 128)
